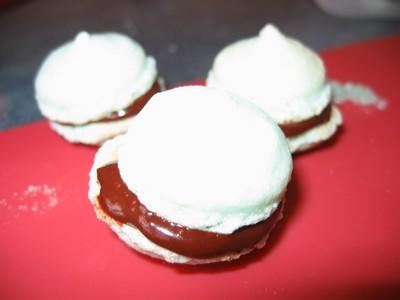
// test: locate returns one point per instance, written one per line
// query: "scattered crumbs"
(22, 207)
(4, 203)
(356, 93)
(35, 198)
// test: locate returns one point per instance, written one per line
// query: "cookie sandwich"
(90, 88)
(199, 177)
(284, 78)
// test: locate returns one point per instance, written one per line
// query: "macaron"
(199, 177)
(284, 78)
(90, 88)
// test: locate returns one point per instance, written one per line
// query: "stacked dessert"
(285, 79)
(91, 87)
(199, 177)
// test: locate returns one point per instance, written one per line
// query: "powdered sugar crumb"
(4, 203)
(35, 198)
(356, 93)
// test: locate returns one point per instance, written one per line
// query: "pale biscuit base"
(317, 134)
(108, 153)
(93, 133)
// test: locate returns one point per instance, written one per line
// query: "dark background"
(183, 36)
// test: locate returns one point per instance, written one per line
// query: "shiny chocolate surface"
(118, 202)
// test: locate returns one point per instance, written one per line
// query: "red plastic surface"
(339, 239)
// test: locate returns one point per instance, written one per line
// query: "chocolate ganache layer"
(122, 205)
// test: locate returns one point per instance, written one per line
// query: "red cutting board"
(339, 239)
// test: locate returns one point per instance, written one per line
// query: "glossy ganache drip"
(119, 203)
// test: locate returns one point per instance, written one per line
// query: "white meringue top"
(277, 73)
(91, 76)
(205, 159)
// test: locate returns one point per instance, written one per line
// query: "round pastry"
(285, 79)
(199, 177)
(90, 88)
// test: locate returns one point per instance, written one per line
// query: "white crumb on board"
(34, 198)
(356, 93)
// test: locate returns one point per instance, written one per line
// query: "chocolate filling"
(292, 129)
(127, 112)
(118, 202)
